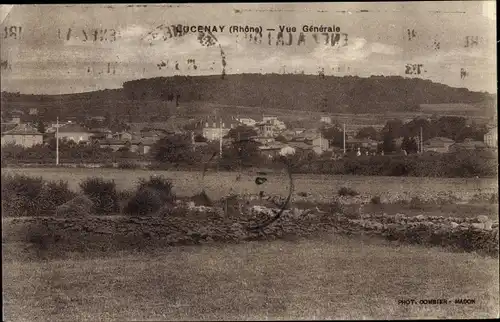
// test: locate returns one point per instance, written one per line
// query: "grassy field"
(332, 278)
(322, 187)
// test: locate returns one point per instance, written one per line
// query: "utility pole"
(343, 136)
(421, 141)
(57, 141)
(220, 137)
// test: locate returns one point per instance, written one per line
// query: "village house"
(300, 146)
(491, 138)
(22, 134)
(326, 119)
(264, 140)
(270, 151)
(365, 144)
(16, 116)
(74, 132)
(101, 133)
(266, 129)
(217, 128)
(142, 146)
(320, 144)
(247, 121)
(468, 144)
(438, 144)
(273, 120)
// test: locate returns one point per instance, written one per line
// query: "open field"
(313, 279)
(321, 187)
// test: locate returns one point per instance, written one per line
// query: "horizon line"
(241, 74)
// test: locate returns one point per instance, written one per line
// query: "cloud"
(133, 31)
(384, 49)
(357, 50)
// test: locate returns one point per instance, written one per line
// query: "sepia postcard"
(266, 161)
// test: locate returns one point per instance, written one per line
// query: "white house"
(491, 138)
(247, 121)
(326, 119)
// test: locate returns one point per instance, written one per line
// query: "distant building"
(16, 116)
(491, 138)
(123, 136)
(438, 144)
(269, 118)
(264, 140)
(33, 111)
(326, 119)
(266, 129)
(75, 133)
(24, 135)
(217, 128)
(365, 144)
(247, 121)
(287, 150)
(101, 133)
(468, 144)
(274, 122)
(320, 144)
(138, 146)
(300, 146)
(270, 151)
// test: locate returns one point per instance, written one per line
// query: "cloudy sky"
(43, 60)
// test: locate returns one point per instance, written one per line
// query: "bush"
(345, 191)
(201, 199)
(54, 194)
(79, 206)
(150, 196)
(159, 183)
(103, 194)
(375, 200)
(19, 195)
(143, 202)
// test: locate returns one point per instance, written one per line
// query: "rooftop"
(23, 129)
(72, 128)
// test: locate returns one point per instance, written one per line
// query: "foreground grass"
(327, 278)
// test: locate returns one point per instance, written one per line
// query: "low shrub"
(159, 183)
(346, 191)
(150, 196)
(143, 202)
(32, 196)
(201, 199)
(80, 206)
(54, 194)
(19, 193)
(302, 194)
(125, 194)
(375, 200)
(103, 194)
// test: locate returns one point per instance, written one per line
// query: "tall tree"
(333, 134)
(241, 133)
(367, 133)
(173, 149)
(40, 126)
(389, 144)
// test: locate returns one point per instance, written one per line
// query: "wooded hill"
(347, 94)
